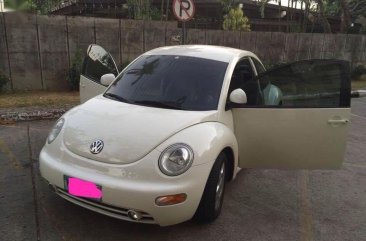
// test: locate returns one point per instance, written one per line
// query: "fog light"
(134, 215)
(171, 199)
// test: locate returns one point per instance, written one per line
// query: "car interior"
(243, 77)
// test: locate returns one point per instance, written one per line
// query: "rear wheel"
(213, 195)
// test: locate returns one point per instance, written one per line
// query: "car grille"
(112, 211)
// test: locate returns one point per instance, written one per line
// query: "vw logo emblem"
(96, 147)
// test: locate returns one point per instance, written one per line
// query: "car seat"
(272, 95)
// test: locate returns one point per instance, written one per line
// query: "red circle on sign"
(190, 15)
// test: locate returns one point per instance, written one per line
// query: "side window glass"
(258, 66)
(311, 83)
(243, 77)
(97, 63)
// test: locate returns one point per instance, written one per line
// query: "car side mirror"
(107, 79)
(238, 96)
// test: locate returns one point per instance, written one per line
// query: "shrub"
(236, 20)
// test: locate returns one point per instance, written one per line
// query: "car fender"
(207, 140)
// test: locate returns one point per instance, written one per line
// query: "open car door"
(97, 63)
(306, 128)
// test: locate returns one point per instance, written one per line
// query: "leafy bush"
(155, 13)
(142, 9)
(358, 71)
(73, 76)
(3, 81)
(236, 20)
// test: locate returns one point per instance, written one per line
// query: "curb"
(358, 93)
(13, 116)
(41, 113)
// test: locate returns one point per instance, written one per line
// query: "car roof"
(219, 53)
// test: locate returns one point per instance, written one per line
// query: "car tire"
(213, 195)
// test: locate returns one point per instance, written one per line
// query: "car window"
(243, 77)
(181, 82)
(258, 66)
(310, 83)
(97, 63)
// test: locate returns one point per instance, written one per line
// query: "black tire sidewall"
(206, 211)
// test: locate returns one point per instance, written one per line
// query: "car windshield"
(170, 81)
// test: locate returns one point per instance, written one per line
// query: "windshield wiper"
(116, 97)
(153, 103)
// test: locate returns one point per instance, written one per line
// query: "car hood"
(129, 132)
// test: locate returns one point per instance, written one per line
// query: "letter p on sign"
(183, 9)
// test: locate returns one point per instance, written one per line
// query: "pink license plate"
(81, 188)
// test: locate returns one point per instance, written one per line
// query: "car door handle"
(340, 121)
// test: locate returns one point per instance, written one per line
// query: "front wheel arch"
(230, 167)
(208, 209)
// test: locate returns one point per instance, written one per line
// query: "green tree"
(236, 20)
(348, 11)
(357, 8)
(262, 6)
(227, 5)
(322, 15)
(143, 10)
(23, 5)
(39, 6)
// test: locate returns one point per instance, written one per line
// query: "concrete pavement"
(259, 204)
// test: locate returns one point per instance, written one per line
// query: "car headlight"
(55, 130)
(176, 159)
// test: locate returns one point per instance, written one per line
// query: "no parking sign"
(183, 9)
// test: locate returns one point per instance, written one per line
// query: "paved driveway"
(259, 204)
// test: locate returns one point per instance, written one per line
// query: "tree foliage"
(39, 6)
(236, 20)
(143, 10)
(356, 8)
(348, 11)
(19, 4)
(262, 6)
(227, 5)
(323, 17)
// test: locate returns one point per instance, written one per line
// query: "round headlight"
(55, 130)
(176, 159)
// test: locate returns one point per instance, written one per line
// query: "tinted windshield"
(168, 81)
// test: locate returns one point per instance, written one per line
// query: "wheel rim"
(220, 187)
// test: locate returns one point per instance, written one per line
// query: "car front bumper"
(127, 187)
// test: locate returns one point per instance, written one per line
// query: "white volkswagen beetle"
(158, 145)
